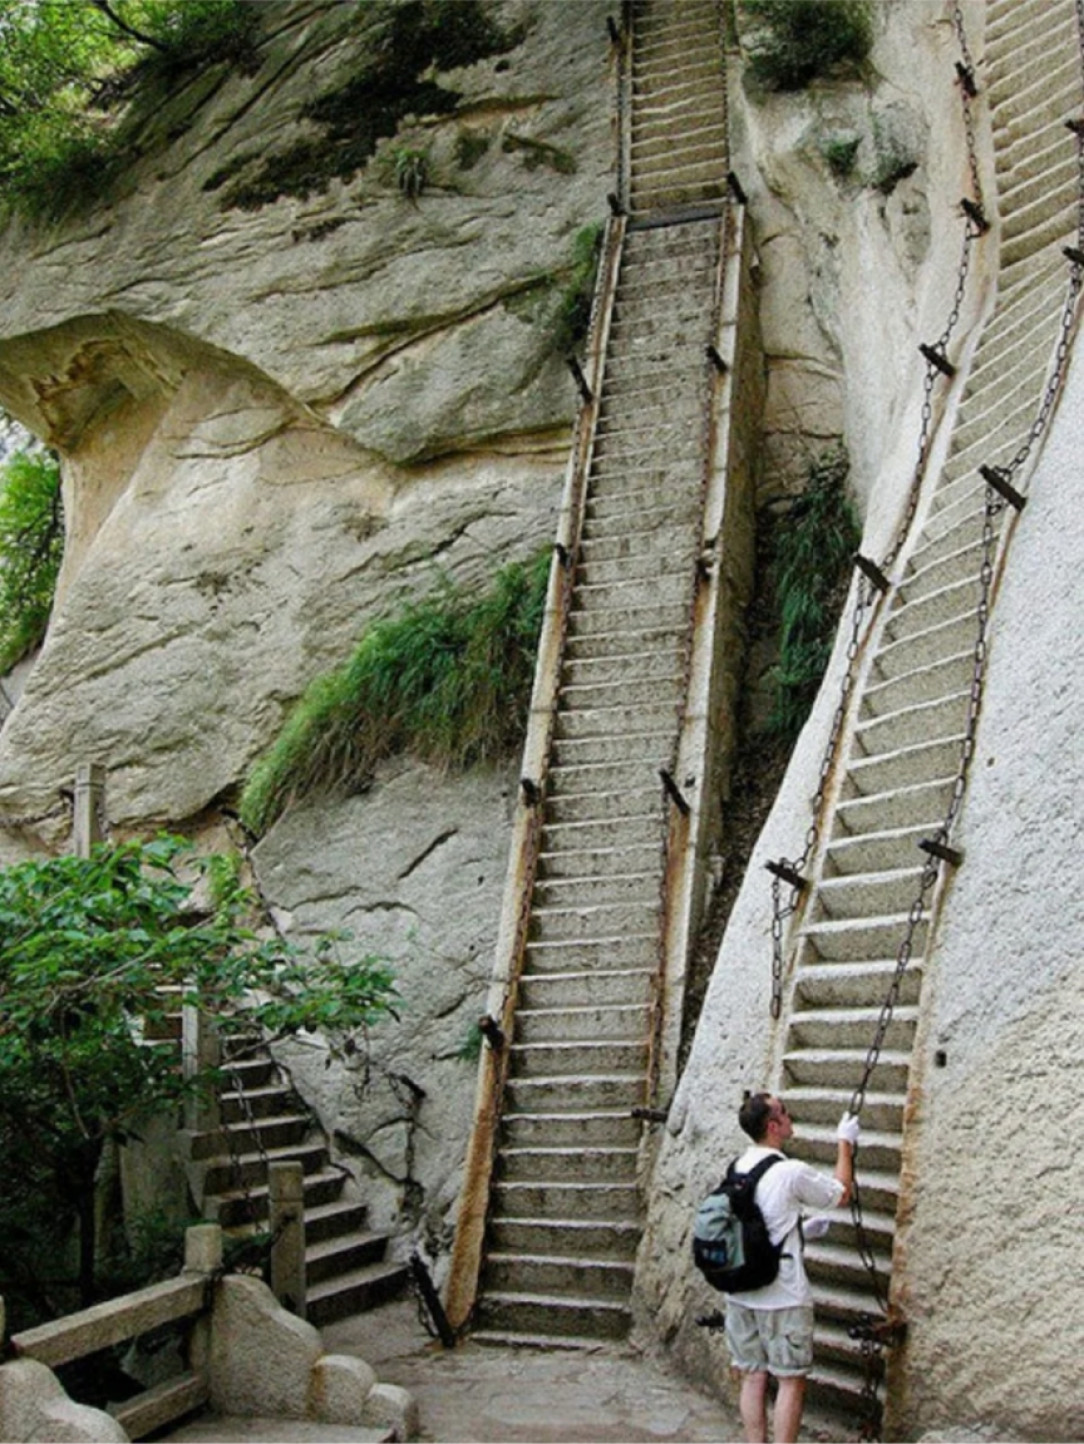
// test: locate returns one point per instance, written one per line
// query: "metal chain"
(866, 592)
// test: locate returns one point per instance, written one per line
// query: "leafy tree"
(31, 547)
(89, 951)
(66, 67)
(794, 41)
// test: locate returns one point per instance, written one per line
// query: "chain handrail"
(791, 870)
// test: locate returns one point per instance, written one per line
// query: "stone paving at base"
(475, 1394)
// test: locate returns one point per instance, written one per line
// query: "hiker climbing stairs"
(904, 757)
(262, 1121)
(564, 1210)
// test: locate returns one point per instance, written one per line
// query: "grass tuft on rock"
(792, 42)
(448, 679)
(813, 553)
(31, 548)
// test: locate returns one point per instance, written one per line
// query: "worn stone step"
(567, 1275)
(818, 1027)
(913, 726)
(619, 1022)
(659, 664)
(583, 988)
(933, 574)
(603, 888)
(592, 920)
(576, 1093)
(587, 618)
(835, 1264)
(604, 806)
(597, 1200)
(854, 939)
(853, 985)
(619, 950)
(885, 851)
(867, 894)
(582, 1058)
(234, 1208)
(629, 689)
(334, 1220)
(622, 773)
(667, 198)
(709, 130)
(569, 1237)
(260, 1102)
(905, 813)
(243, 1137)
(343, 1254)
(646, 717)
(649, 507)
(870, 777)
(922, 685)
(354, 1292)
(924, 649)
(616, 1128)
(243, 1075)
(829, 1067)
(224, 1175)
(702, 166)
(547, 1314)
(576, 836)
(878, 1154)
(825, 1106)
(1030, 60)
(595, 862)
(944, 605)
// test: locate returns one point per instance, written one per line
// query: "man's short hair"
(753, 1115)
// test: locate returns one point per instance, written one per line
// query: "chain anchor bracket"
(884, 1333)
(952, 855)
(783, 870)
(975, 213)
(1001, 484)
(872, 572)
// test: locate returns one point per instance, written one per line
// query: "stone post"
(203, 1248)
(200, 1050)
(287, 1216)
(89, 800)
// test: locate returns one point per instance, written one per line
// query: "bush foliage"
(95, 953)
(813, 548)
(31, 547)
(448, 679)
(794, 41)
(67, 68)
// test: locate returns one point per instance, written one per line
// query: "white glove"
(847, 1130)
(817, 1226)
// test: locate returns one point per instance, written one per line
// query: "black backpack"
(731, 1246)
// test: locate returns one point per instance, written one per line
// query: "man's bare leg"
(753, 1402)
(788, 1409)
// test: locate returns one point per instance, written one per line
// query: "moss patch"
(406, 46)
(538, 152)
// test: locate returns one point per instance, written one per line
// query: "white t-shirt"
(786, 1191)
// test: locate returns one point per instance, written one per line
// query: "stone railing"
(247, 1357)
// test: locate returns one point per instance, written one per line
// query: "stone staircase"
(564, 1219)
(905, 749)
(678, 146)
(263, 1122)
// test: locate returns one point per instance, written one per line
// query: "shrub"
(448, 679)
(794, 41)
(31, 547)
(813, 550)
(573, 314)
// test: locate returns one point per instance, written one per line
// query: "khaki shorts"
(774, 1341)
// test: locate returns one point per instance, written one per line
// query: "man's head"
(765, 1120)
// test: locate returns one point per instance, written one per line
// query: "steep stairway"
(564, 1210)
(678, 146)
(904, 757)
(262, 1122)
(565, 1214)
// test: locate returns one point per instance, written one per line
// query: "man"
(770, 1330)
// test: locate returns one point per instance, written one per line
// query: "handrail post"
(89, 800)
(286, 1184)
(203, 1248)
(200, 1054)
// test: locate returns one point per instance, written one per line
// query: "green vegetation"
(448, 679)
(89, 948)
(573, 314)
(404, 46)
(31, 547)
(813, 548)
(411, 171)
(539, 152)
(841, 152)
(792, 42)
(67, 70)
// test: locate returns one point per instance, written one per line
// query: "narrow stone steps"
(667, 689)
(885, 851)
(548, 1060)
(829, 986)
(572, 1236)
(605, 888)
(814, 1028)
(580, 835)
(224, 1174)
(571, 1130)
(932, 574)
(242, 1137)
(629, 952)
(927, 647)
(565, 1165)
(944, 605)
(592, 862)
(823, 1106)
(865, 811)
(582, 1278)
(649, 664)
(868, 777)
(617, 720)
(829, 1067)
(913, 725)
(848, 940)
(586, 1022)
(867, 894)
(550, 1316)
(617, 1091)
(354, 1292)
(632, 801)
(710, 131)
(921, 685)
(344, 1254)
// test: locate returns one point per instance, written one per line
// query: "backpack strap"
(757, 1173)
